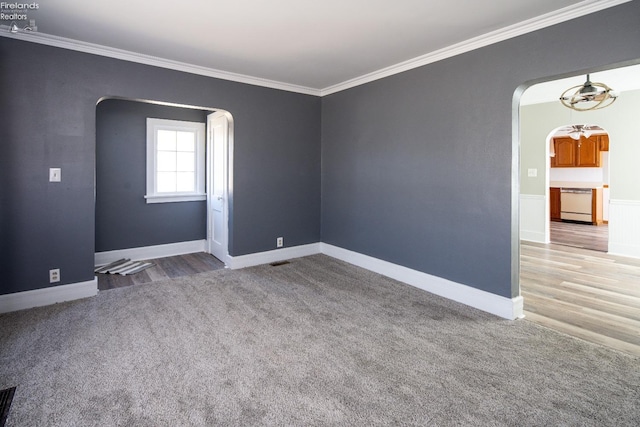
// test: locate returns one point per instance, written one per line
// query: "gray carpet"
(313, 342)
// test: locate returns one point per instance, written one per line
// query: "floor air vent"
(6, 396)
(279, 263)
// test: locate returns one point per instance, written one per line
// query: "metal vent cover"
(6, 397)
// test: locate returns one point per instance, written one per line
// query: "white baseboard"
(276, 255)
(620, 249)
(508, 308)
(47, 296)
(533, 236)
(149, 252)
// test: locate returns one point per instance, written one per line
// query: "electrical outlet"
(54, 275)
(280, 242)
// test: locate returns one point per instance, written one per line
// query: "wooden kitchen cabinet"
(588, 152)
(565, 152)
(554, 196)
(596, 206)
(584, 153)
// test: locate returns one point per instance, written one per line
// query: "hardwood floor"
(595, 237)
(583, 293)
(164, 268)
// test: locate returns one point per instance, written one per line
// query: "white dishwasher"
(576, 204)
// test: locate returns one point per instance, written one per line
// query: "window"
(175, 161)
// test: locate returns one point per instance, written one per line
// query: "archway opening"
(565, 287)
(578, 188)
(131, 225)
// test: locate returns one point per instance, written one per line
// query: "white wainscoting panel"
(47, 296)
(533, 218)
(508, 308)
(605, 203)
(624, 228)
(149, 252)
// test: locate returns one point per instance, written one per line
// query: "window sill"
(171, 198)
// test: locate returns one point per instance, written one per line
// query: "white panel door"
(217, 193)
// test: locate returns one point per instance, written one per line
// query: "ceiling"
(305, 43)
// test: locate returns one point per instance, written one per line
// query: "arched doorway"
(578, 173)
(584, 293)
(134, 224)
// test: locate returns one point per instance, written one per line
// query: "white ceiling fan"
(578, 131)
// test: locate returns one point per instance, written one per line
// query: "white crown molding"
(575, 11)
(95, 49)
(571, 12)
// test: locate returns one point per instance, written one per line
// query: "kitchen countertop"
(575, 184)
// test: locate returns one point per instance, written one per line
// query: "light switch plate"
(532, 173)
(55, 175)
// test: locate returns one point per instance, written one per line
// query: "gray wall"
(416, 168)
(123, 218)
(48, 102)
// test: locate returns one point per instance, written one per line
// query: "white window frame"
(153, 126)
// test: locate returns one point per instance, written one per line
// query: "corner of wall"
(508, 308)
